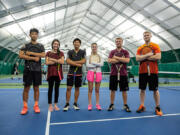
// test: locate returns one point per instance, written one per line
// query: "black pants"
(51, 81)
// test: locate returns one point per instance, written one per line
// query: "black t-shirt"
(72, 55)
(30, 64)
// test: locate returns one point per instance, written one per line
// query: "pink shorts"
(90, 76)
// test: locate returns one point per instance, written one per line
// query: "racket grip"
(148, 69)
(118, 76)
(59, 75)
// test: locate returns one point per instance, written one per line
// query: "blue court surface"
(105, 80)
(90, 122)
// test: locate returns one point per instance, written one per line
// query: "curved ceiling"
(98, 21)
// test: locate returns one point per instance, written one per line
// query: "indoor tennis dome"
(92, 21)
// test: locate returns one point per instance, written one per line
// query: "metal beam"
(43, 13)
(56, 25)
(50, 31)
(172, 5)
(107, 22)
(89, 8)
(108, 38)
(64, 17)
(104, 36)
(14, 19)
(134, 21)
(154, 19)
(24, 7)
(72, 18)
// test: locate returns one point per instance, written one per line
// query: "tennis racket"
(58, 67)
(119, 65)
(59, 73)
(74, 75)
(147, 49)
(95, 59)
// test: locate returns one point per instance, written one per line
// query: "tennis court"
(130, 43)
(89, 122)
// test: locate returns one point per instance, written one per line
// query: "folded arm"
(60, 61)
(122, 59)
(22, 55)
(73, 63)
(140, 58)
(155, 57)
(112, 60)
(42, 54)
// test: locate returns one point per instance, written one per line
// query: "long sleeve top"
(95, 67)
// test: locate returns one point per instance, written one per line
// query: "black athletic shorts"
(123, 83)
(151, 80)
(71, 82)
(32, 77)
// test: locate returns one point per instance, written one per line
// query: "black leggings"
(51, 81)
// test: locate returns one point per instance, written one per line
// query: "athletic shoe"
(141, 109)
(126, 108)
(158, 111)
(76, 106)
(36, 109)
(66, 107)
(111, 107)
(89, 107)
(98, 107)
(24, 110)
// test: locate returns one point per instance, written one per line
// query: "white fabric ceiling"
(98, 21)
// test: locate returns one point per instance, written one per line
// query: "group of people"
(118, 58)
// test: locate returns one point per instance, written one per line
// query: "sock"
(36, 103)
(25, 104)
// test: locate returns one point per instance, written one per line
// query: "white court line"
(48, 123)
(125, 118)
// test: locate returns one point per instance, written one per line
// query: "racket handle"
(59, 75)
(148, 69)
(118, 76)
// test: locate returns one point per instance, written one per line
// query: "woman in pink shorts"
(94, 62)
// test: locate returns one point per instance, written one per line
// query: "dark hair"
(77, 39)
(34, 30)
(56, 40)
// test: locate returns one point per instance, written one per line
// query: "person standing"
(119, 58)
(54, 60)
(75, 58)
(94, 63)
(32, 75)
(148, 72)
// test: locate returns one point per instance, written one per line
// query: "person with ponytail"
(94, 62)
(54, 60)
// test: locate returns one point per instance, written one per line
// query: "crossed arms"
(116, 59)
(148, 56)
(28, 55)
